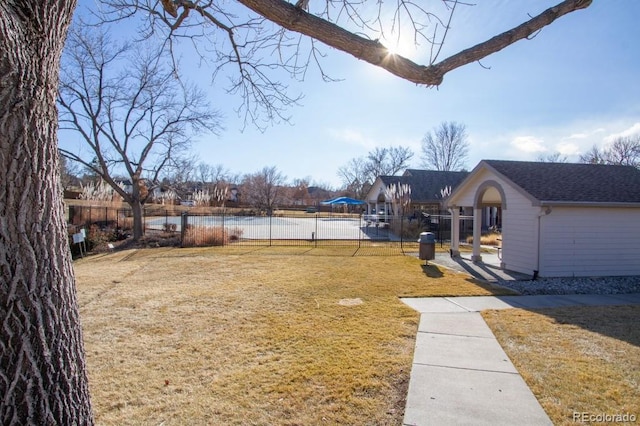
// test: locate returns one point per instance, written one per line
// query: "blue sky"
(574, 85)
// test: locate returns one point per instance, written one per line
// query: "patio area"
(488, 269)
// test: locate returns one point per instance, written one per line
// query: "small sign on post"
(79, 238)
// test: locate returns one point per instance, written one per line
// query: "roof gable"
(570, 182)
(426, 184)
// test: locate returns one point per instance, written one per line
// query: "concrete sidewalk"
(488, 270)
(461, 375)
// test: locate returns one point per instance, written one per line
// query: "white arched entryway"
(488, 194)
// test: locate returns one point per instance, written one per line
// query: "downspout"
(545, 212)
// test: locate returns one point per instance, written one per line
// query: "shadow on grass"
(432, 271)
(615, 321)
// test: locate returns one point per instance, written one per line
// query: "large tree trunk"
(136, 208)
(42, 370)
(137, 212)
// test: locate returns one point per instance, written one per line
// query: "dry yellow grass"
(294, 335)
(490, 239)
(576, 359)
(233, 336)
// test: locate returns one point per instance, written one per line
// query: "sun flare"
(400, 47)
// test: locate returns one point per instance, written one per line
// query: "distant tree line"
(623, 151)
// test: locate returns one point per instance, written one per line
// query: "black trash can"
(427, 242)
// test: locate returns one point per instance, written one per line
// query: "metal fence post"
(184, 222)
(360, 231)
(401, 232)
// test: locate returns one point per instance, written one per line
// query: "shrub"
(235, 234)
(490, 239)
(199, 236)
(169, 227)
(160, 240)
(203, 236)
(406, 229)
(98, 238)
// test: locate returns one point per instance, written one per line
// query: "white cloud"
(578, 136)
(581, 135)
(360, 139)
(631, 131)
(352, 136)
(568, 148)
(529, 144)
(570, 139)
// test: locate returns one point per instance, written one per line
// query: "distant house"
(557, 219)
(428, 187)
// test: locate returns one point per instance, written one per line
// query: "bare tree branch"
(372, 51)
(258, 41)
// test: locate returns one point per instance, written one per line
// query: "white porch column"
(477, 228)
(455, 231)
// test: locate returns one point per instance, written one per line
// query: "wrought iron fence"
(284, 229)
(217, 228)
(440, 225)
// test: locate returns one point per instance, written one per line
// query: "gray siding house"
(426, 190)
(557, 219)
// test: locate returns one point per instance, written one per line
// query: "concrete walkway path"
(461, 375)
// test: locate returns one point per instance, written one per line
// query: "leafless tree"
(136, 119)
(212, 174)
(556, 157)
(593, 156)
(257, 39)
(181, 177)
(69, 173)
(359, 173)
(355, 177)
(446, 147)
(299, 192)
(388, 161)
(623, 151)
(263, 189)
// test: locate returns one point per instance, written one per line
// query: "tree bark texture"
(43, 377)
(137, 212)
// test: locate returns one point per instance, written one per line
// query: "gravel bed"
(596, 285)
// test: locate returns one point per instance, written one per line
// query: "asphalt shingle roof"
(569, 182)
(426, 184)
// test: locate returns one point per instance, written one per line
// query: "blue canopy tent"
(344, 201)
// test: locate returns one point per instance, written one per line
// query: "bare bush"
(206, 236)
